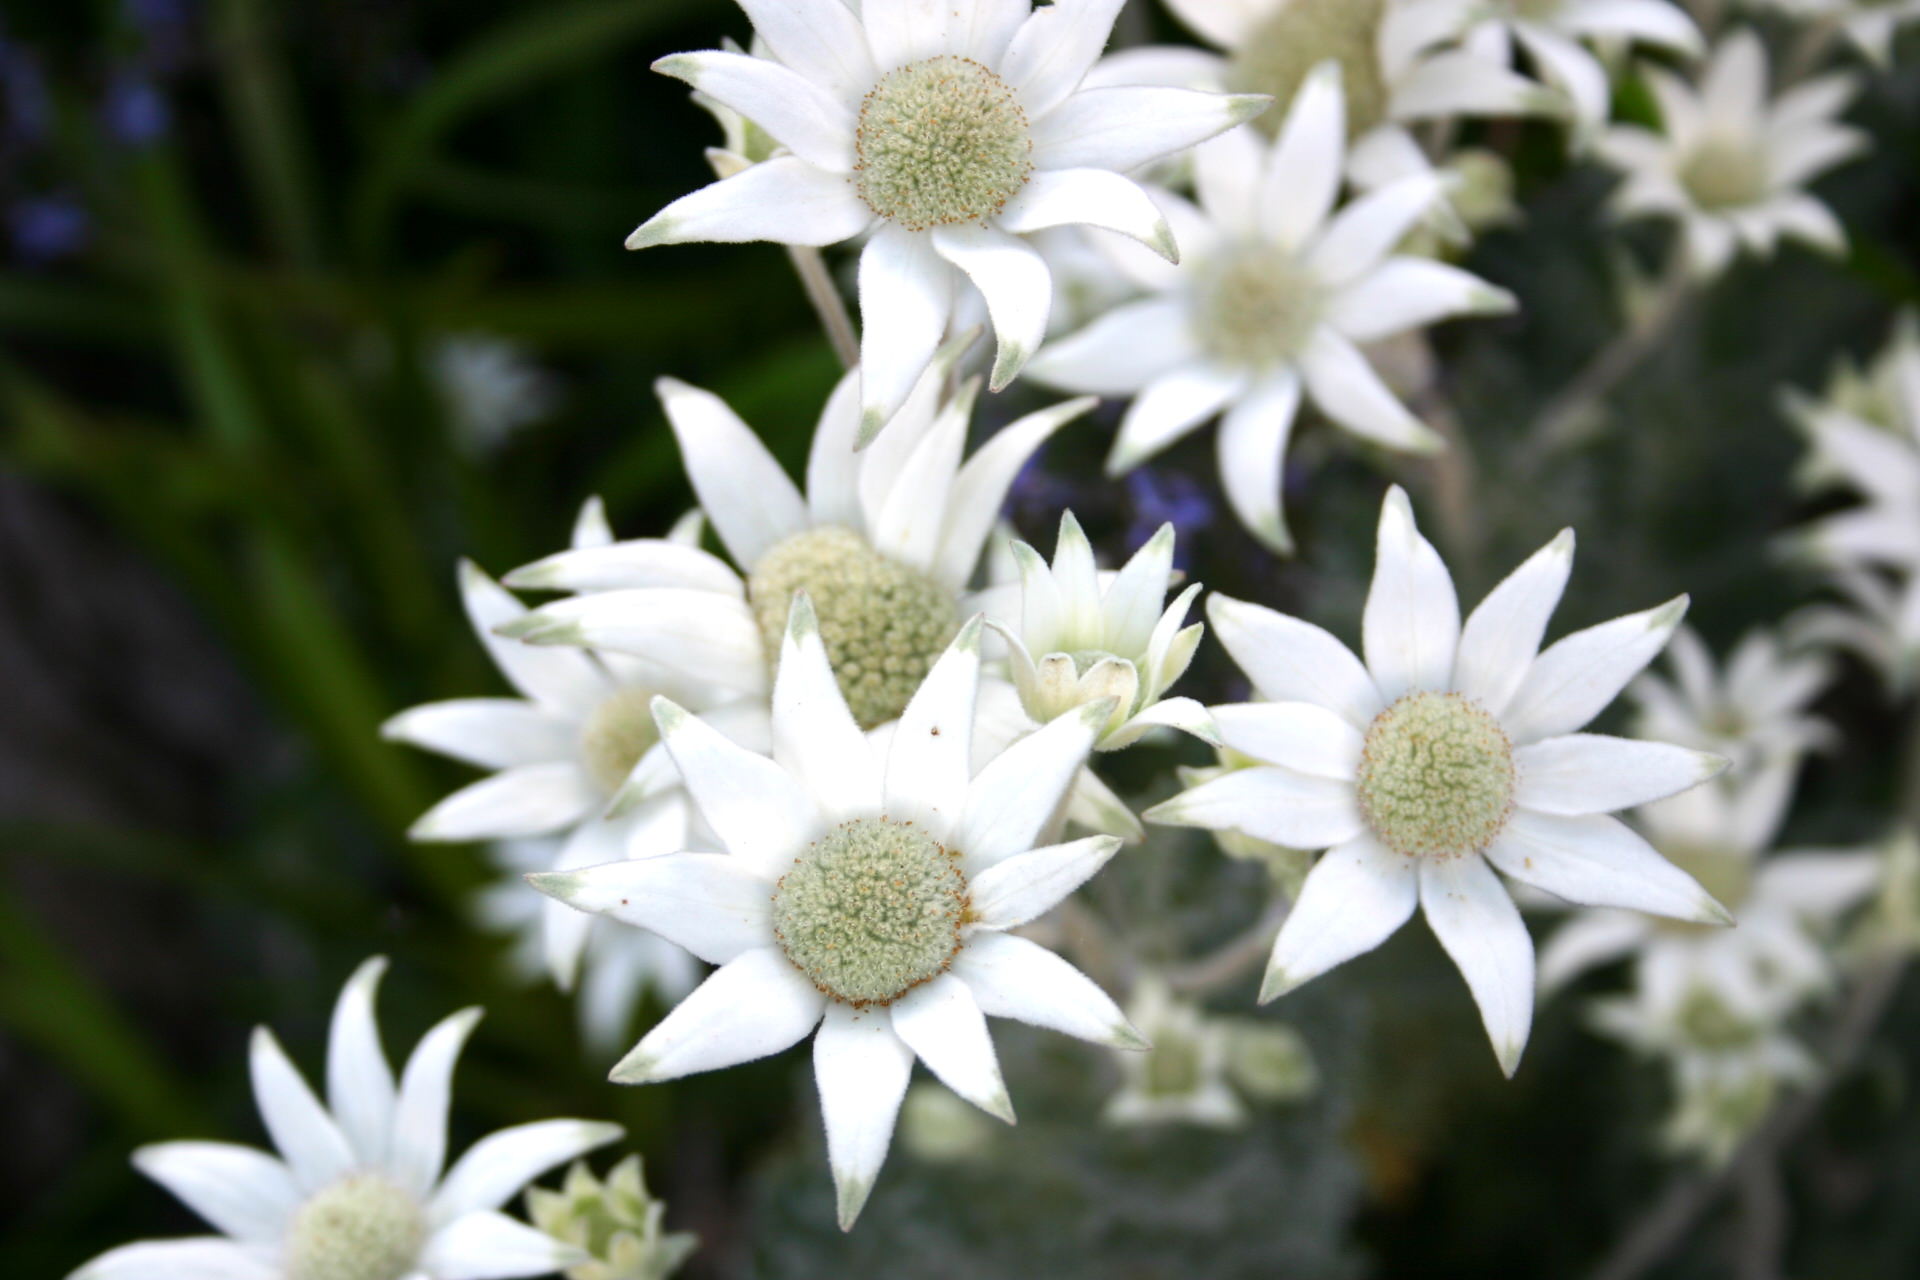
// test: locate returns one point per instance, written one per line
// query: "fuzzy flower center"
(1255, 307)
(884, 623)
(619, 732)
(1436, 776)
(1725, 173)
(1174, 1068)
(940, 143)
(1277, 55)
(363, 1227)
(871, 910)
(1708, 1023)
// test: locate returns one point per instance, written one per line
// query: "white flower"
(1753, 713)
(1878, 624)
(1551, 32)
(1870, 24)
(1183, 1078)
(1786, 904)
(562, 752)
(616, 967)
(866, 893)
(1729, 165)
(615, 1220)
(954, 127)
(1450, 753)
(359, 1190)
(1097, 640)
(1267, 309)
(491, 389)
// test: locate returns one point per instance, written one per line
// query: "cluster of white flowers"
(837, 756)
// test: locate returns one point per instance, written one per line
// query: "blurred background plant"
(301, 303)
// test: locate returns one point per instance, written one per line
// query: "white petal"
(1648, 21)
(564, 932)
(1252, 444)
(1819, 886)
(1289, 660)
(710, 903)
(1301, 177)
(1593, 773)
(246, 1194)
(929, 762)
(617, 566)
(419, 1148)
(528, 801)
(198, 1258)
(946, 1030)
(1011, 977)
(1123, 351)
(1015, 795)
(808, 120)
(861, 1069)
(560, 679)
(1804, 218)
(1412, 293)
(756, 808)
(1361, 235)
(1347, 389)
(1027, 885)
(1459, 83)
(360, 1088)
(1502, 635)
(1124, 128)
(492, 733)
(906, 296)
(708, 638)
(1170, 407)
(980, 490)
(1477, 923)
(492, 1246)
(1574, 680)
(748, 1008)
(1305, 738)
(741, 487)
(1597, 861)
(815, 738)
(1136, 597)
(1412, 622)
(305, 1135)
(785, 200)
(1054, 48)
(1573, 70)
(1089, 197)
(1734, 89)
(500, 1165)
(1589, 939)
(1225, 22)
(1269, 803)
(1354, 899)
(1013, 278)
(833, 466)
(821, 39)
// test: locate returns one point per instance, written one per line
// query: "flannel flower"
(949, 129)
(866, 893)
(1754, 712)
(358, 1190)
(1869, 24)
(1268, 308)
(1730, 165)
(1452, 752)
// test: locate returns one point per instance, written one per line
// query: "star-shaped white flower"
(1082, 640)
(1268, 308)
(1183, 1078)
(1729, 164)
(950, 129)
(1870, 24)
(1452, 752)
(866, 891)
(359, 1186)
(1754, 712)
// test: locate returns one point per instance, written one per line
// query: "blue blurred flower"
(45, 229)
(135, 111)
(1168, 497)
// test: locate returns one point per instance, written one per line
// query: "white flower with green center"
(1268, 309)
(866, 892)
(1451, 753)
(1183, 1078)
(1788, 904)
(1728, 164)
(1081, 640)
(614, 1221)
(1869, 24)
(950, 129)
(1754, 712)
(562, 752)
(358, 1190)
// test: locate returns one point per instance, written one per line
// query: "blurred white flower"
(955, 129)
(491, 389)
(1081, 640)
(865, 891)
(1728, 164)
(940, 1128)
(359, 1187)
(1182, 1079)
(1877, 623)
(1451, 752)
(1754, 712)
(1267, 307)
(614, 1221)
(1870, 24)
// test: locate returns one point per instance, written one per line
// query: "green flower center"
(1276, 57)
(940, 143)
(1436, 776)
(363, 1227)
(1256, 306)
(1725, 173)
(1708, 1023)
(619, 732)
(871, 910)
(884, 623)
(1173, 1068)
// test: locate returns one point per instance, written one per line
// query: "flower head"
(950, 132)
(1869, 24)
(1753, 712)
(358, 1190)
(1450, 753)
(866, 891)
(614, 1222)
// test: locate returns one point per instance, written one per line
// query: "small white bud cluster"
(363, 1227)
(1436, 776)
(941, 143)
(614, 1221)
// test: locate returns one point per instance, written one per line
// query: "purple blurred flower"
(136, 112)
(1168, 497)
(1038, 496)
(26, 113)
(45, 229)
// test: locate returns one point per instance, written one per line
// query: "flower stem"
(827, 303)
(1238, 956)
